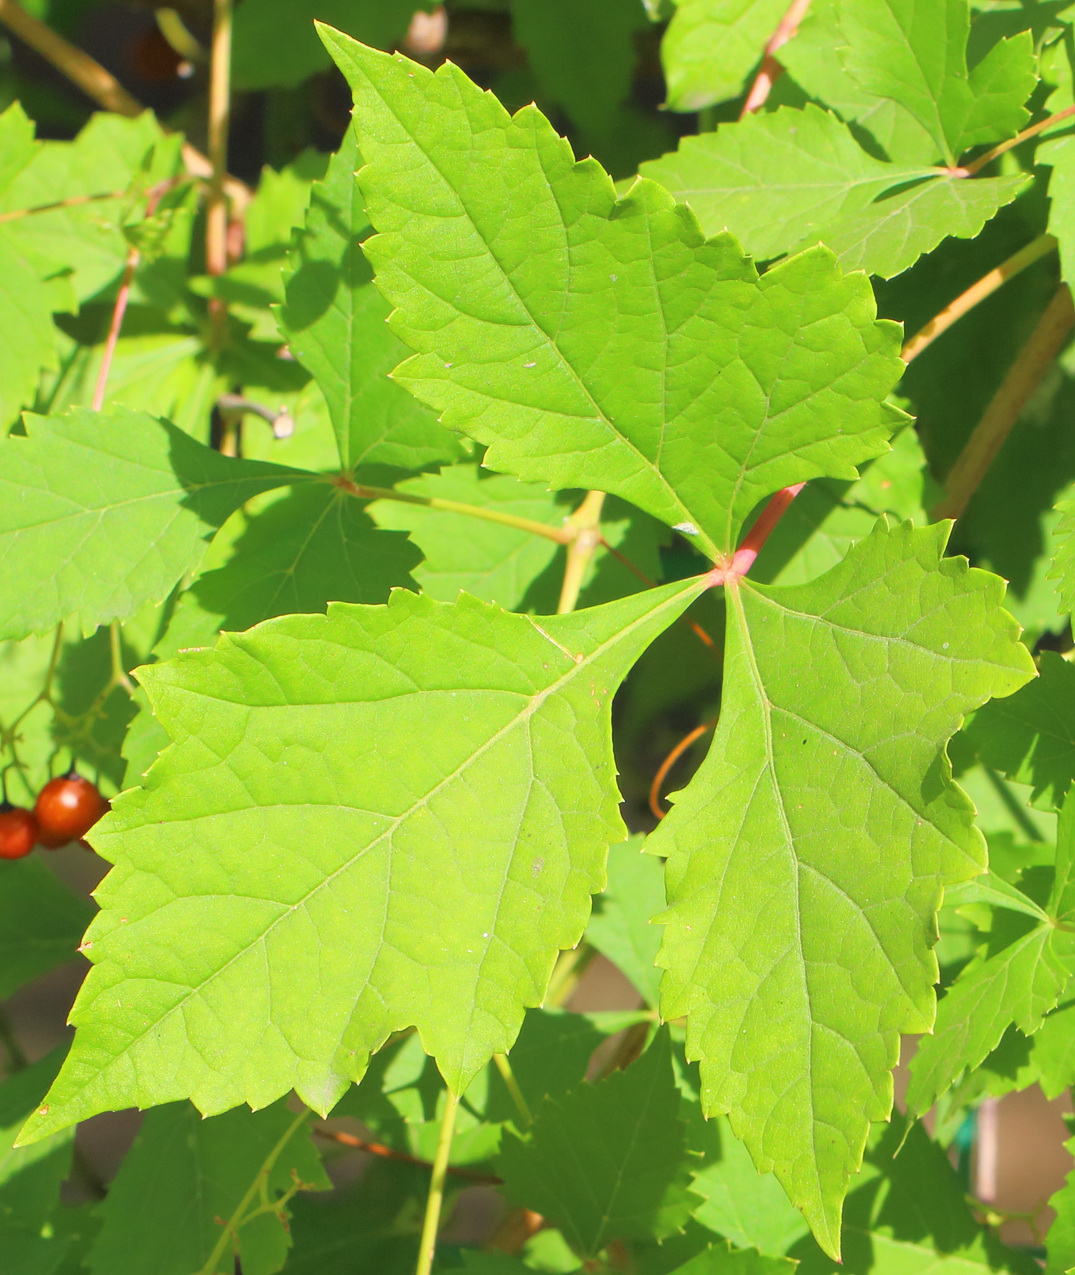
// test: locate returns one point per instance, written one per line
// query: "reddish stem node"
(742, 560)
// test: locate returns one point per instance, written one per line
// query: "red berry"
(18, 831)
(66, 809)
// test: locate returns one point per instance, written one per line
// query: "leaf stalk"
(976, 293)
(562, 535)
(585, 522)
(431, 1221)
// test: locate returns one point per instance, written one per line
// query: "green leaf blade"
(293, 849)
(602, 343)
(102, 513)
(186, 1177)
(331, 307)
(606, 1161)
(797, 1022)
(711, 46)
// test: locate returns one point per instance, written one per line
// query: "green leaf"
(889, 236)
(311, 546)
(1053, 1051)
(711, 46)
(582, 53)
(908, 1215)
(777, 179)
(620, 927)
(603, 344)
(1031, 736)
(1064, 555)
(95, 181)
(334, 322)
(1023, 970)
(102, 513)
(296, 794)
(28, 338)
(827, 518)
(1060, 1241)
(749, 1207)
(825, 805)
(185, 1178)
(1059, 154)
(30, 1178)
(606, 1161)
(912, 58)
(275, 44)
(41, 923)
(492, 561)
(501, 563)
(722, 1259)
(787, 179)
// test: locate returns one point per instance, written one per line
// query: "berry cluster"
(65, 810)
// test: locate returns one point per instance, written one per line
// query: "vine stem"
(585, 524)
(771, 70)
(744, 557)
(123, 296)
(216, 209)
(976, 293)
(232, 1226)
(669, 762)
(1024, 376)
(402, 1157)
(512, 1086)
(435, 1200)
(969, 170)
(98, 84)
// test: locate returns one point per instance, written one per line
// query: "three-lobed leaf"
(790, 178)
(900, 68)
(601, 343)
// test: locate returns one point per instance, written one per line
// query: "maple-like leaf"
(777, 178)
(339, 790)
(911, 60)
(825, 807)
(606, 1161)
(185, 1178)
(1025, 965)
(790, 178)
(334, 322)
(101, 513)
(711, 46)
(82, 192)
(600, 343)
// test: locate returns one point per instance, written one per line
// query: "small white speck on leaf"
(688, 528)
